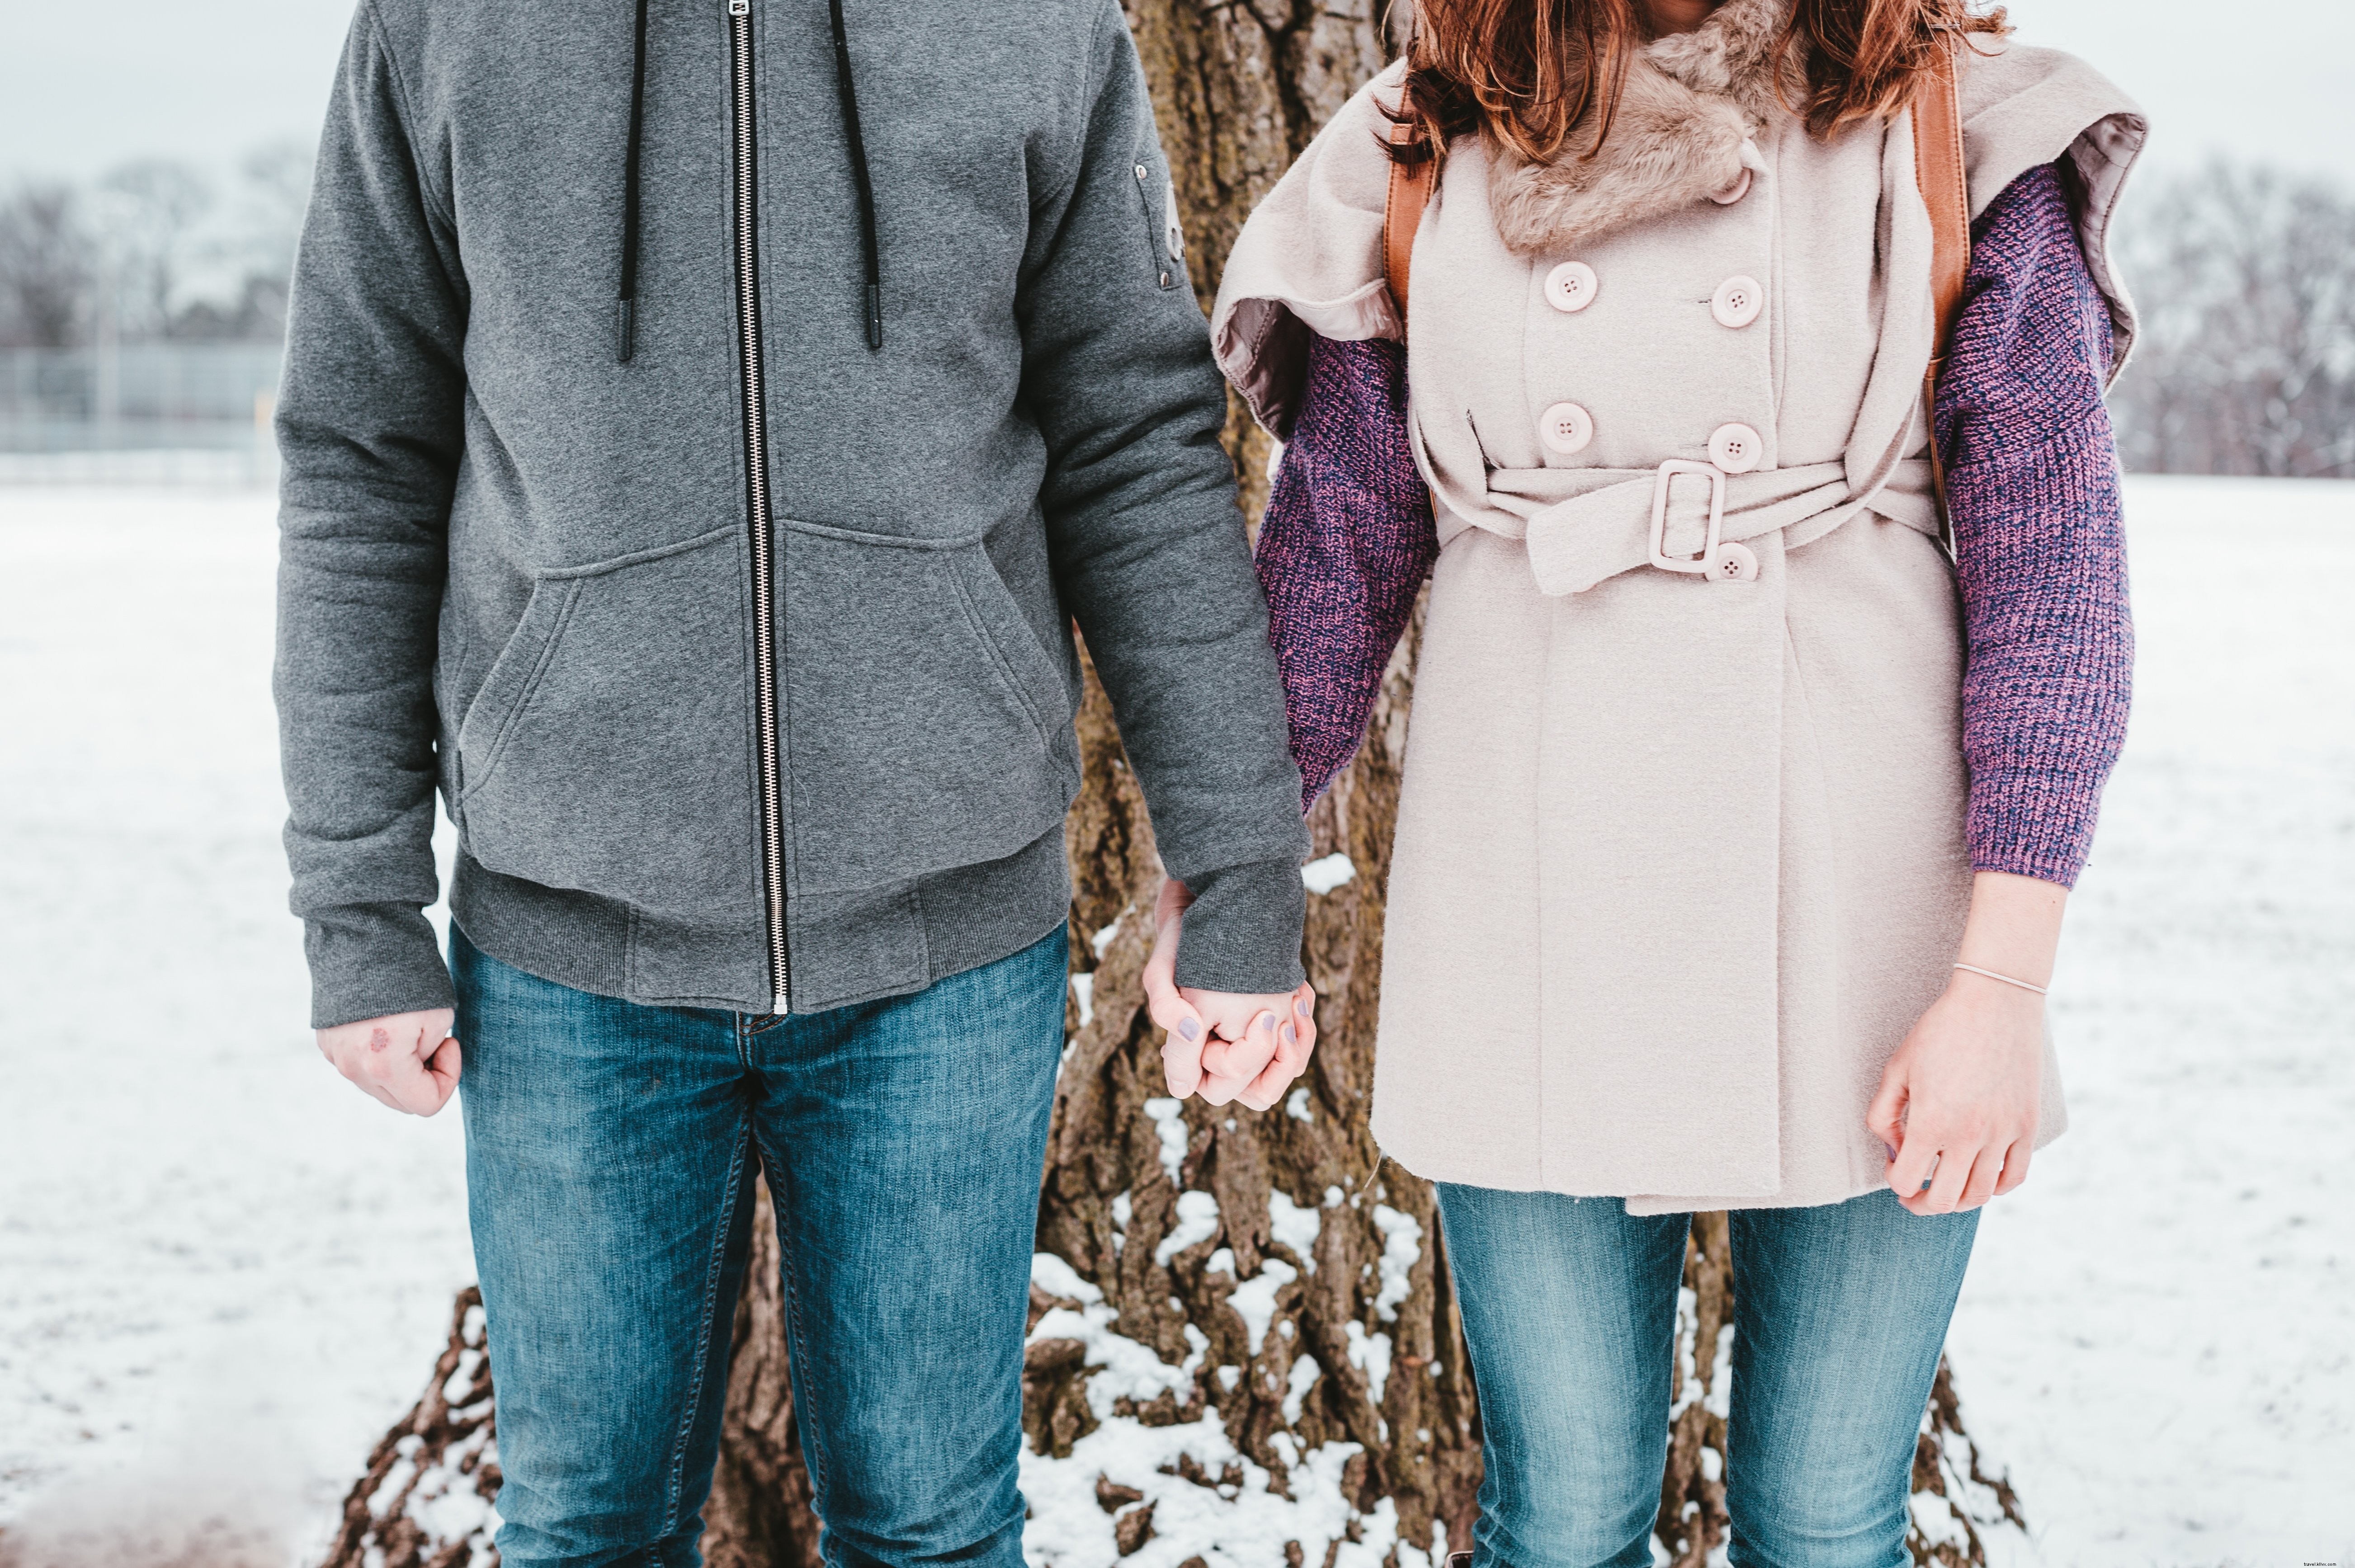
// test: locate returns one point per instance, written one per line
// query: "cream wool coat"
(1679, 855)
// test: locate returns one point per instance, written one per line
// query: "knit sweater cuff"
(2038, 825)
(1242, 931)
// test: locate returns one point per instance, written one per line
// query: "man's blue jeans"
(1570, 1308)
(609, 1155)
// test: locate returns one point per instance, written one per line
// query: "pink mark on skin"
(379, 1038)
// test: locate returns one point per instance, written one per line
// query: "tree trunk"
(759, 1514)
(1244, 1346)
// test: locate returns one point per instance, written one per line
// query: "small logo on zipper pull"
(739, 7)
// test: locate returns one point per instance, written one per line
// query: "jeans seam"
(813, 1429)
(698, 1383)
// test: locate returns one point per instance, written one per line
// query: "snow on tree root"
(426, 1499)
(1243, 1349)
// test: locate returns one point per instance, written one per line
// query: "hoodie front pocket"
(608, 749)
(925, 726)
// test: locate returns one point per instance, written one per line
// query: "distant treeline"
(152, 251)
(2245, 277)
(2246, 281)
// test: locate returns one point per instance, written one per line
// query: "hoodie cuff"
(371, 961)
(1242, 931)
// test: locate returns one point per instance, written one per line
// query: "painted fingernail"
(1892, 1152)
(1265, 1021)
(1190, 1029)
(1300, 1006)
(1286, 1033)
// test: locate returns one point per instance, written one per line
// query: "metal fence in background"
(89, 412)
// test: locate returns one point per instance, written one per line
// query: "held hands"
(406, 1060)
(1225, 1044)
(1958, 1102)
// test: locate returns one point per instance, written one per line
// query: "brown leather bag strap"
(1939, 172)
(1945, 191)
(1409, 192)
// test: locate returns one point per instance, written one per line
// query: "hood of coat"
(1690, 103)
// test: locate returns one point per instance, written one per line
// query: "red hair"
(1532, 72)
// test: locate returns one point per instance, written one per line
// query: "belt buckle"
(1718, 561)
(1667, 476)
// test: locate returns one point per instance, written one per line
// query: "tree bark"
(1289, 1282)
(760, 1513)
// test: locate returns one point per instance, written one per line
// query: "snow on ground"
(217, 1259)
(221, 1266)
(2157, 1334)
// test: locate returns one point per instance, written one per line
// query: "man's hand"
(409, 1060)
(1227, 1046)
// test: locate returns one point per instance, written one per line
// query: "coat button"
(1734, 192)
(1565, 428)
(1737, 302)
(1571, 286)
(1733, 564)
(1735, 449)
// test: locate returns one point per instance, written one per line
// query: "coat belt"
(1585, 525)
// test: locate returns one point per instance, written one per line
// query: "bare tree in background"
(2245, 278)
(149, 213)
(148, 253)
(251, 255)
(48, 268)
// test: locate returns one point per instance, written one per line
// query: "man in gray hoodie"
(702, 427)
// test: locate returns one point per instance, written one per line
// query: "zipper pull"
(739, 7)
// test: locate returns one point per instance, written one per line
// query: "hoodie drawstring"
(866, 184)
(625, 307)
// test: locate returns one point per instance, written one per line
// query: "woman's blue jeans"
(1569, 1307)
(609, 1155)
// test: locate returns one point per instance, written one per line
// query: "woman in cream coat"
(1733, 839)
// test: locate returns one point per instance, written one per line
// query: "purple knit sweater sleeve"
(1343, 549)
(2032, 488)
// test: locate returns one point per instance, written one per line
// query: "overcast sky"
(84, 86)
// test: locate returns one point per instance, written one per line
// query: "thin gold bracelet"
(1974, 968)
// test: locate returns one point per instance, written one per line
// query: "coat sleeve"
(369, 429)
(2032, 490)
(1347, 543)
(1308, 262)
(2024, 108)
(1148, 541)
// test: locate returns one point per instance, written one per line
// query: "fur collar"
(1689, 101)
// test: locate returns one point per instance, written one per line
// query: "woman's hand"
(1959, 1096)
(1228, 1045)
(1958, 1102)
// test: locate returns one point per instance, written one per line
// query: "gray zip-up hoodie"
(711, 526)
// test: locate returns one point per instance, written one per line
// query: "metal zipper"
(756, 481)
